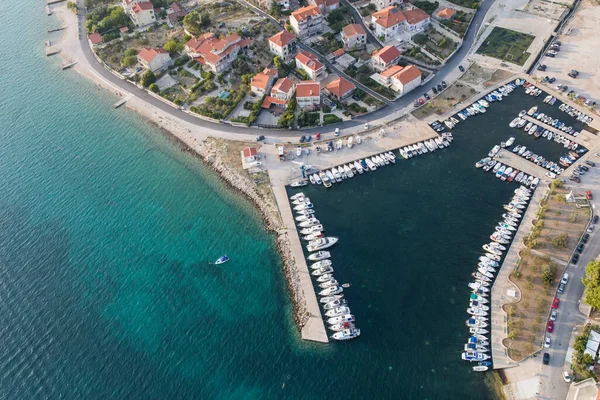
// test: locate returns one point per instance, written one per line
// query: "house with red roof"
(381, 4)
(281, 93)
(262, 82)
(340, 88)
(217, 54)
(385, 57)
(354, 36)
(308, 94)
(154, 59)
(391, 22)
(175, 14)
(400, 79)
(325, 6)
(307, 21)
(95, 39)
(283, 44)
(445, 13)
(249, 157)
(310, 64)
(142, 13)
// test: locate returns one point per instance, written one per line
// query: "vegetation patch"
(459, 22)
(428, 6)
(331, 119)
(363, 75)
(475, 4)
(581, 361)
(507, 45)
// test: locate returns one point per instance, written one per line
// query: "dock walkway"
(314, 329)
(503, 287)
(517, 162)
(581, 139)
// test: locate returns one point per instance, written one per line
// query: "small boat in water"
(222, 260)
(299, 183)
(320, 255)
(346, 334)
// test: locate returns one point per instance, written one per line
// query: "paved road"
(569, 315)
(385, 112)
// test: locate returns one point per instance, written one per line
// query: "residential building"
(215, 53)
(391, 22)
(283, 44)
(127, 4)
(308, 94)
(262, 82)
(310, 64)
(381, 4)
(385, 57)
(445, 13)
(407, 79)
(354, 36)
(95, 39)
(340, 88)
(307, 21)
(154, 59)
(283, 89)
(142, 14)
(249, 157)
(325, 5)
(338, 53)
(175, 14)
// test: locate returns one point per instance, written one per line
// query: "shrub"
(548, 271)
(148, 78)
(153, 87)
(331, 119)
(561, 240)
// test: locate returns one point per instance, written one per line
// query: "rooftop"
(445, 13)
(283, 85)
(95, 38)
(308, 89)
(306, 12)
(310, 60)
(387, 54)
(142, 6)
(339, 87)
(282, 38)
(407, 74)
(389, 17)
(353, 30)
(149, 54)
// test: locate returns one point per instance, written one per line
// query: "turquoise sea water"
(108, 229)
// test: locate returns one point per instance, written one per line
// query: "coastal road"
(394, 110)
(552, 382)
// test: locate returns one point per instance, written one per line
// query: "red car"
(555, 303)
(550, 326)
(421, 101)
(318, 136)
(588, 195)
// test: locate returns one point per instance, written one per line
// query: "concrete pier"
(582, 139)
(314, 329)
(503, 289)
(517, 162)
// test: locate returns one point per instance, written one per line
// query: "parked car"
(461, 68)
(416, 103)
(595, 219)
(590, 163)
(546, 359)
(565, 278)
(585, 238)
(590, 228)
(588, 195)
(440, 87)
(583, 167)
(567, 376)
(561, 288)
(552, 79)
(444, 84)
(426, 96)
(555, 303)
(574, 72)
(541, 67)
(547, 342)
(580, 247)
(302, 139)
(574, 179)
(421, 101)
(259, 138)
(366, 126)
(553, 315)
(558, 42)
(550, 55)
(434, 90)
(572, 75)
(308, 138)
(550, 326)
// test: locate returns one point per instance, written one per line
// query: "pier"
(48, 10)
(57, 29)
(122, 101)
(314, 328)
(68, 64)
(503, 290)
(582, 139)
(517, 162)
(50, 51)
(49, 2)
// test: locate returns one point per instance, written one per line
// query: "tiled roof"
(249, 151)
(353, 30)
(415, 16)
(387, 54)
(445, 13)
(389, 17)
(261, 80)
(303, 13)
(149, 54)
(142, 6)
(391, 71)
(282, 38)
(310, 60)
(308, 89)
(95, 38)
(268, 101)
(407, 74)
(283, 85)
(213, 49)
(339, 87)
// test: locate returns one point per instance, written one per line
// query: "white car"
(565, 279)
(591, 228)
(547, 342)
(566, 376)
(366, 126)
(553, 315)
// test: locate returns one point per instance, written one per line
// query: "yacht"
(482, 162)
(370, 164)
(321, 264)
(324, 278)
(340, 319)
(474, 356)
(321, 244)
(322, 271)
(329, 299)
(334, 303)
(309, 222)
(320, 255)
(303, 206)
(341, 326)
(346, 334)
(337, 311)
(494, 151)
(510, 141)
(312, 229)
(331, 290)
(297, 196)
(348, 171)
(329, 283)
(313, 236)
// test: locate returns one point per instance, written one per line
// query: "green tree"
(148, 78)
(561, 240)
(204, 20)
(277, 61)
(130, 52)
(129, 61)
(173, 47)
(275, 9)
(592, 284)
(587, 360)
(192, 23)
(154, 88)
(72, 6)
(548, 271)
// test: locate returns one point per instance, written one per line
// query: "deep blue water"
(108, 229)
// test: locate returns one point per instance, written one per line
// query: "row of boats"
(575, 113)
(337, 174)
(426, 146)
(550, 100)
(335, 307)
(477, 348)
(507, 173)
(339, 144)
(548, 120)
(531, 90)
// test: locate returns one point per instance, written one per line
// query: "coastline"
(203, 145)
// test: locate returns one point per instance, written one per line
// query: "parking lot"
(578, 50)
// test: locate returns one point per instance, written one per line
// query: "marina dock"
(67, 64)
(503, 290)
(122, 101)
(517, 162)
(580, 139)
(49, 2)
(57, 29)
(314, 328)
(50, 51)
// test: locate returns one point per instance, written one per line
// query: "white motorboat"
(340, 319)
(334, 303)
(329, 283)
(322, 271)
(312, 229)
(313, 236)
(302, 200)
(346, 334)
(482, 162)
(324, 277)
(321, 264)
(331, 290)
(337, 311)
(474, 356)
(348, 171)
(299, 183)
(341, 326)
(303, 206)
(320, 255)
(321, 244)
(329, 299)
(350, 142)
(309, 222)
(297, 196)
(480, 368)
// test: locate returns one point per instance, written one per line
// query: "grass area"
(331, 119)
(556, 230)
(449, 98)
(507, 45)
(306, 118)
(328, 44)
(475, 4)
(428, 6)
(417, 54)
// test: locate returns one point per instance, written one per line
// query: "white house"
(308, 94)
(325, 5)
(391, 22)
(354, 37)
(262, 82)
(307, 21)
(385, 57)
(142, 14)
(283, 44)
(281, 93)
(310, 64)
(154, 59)
(381, 4)
(217, 54)
(407, 79)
